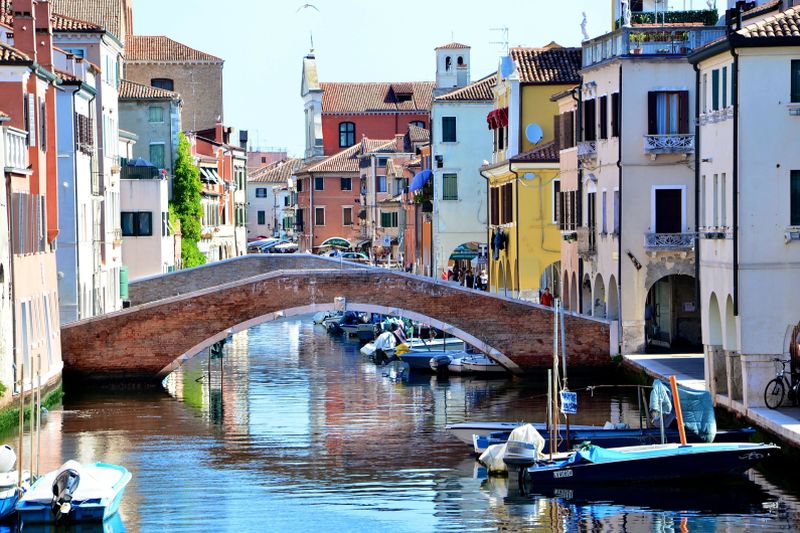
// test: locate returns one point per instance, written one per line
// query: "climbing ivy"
(186, 204)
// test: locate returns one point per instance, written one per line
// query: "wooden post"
(20, 453)
(676, 402)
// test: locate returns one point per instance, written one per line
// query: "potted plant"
(636, 39)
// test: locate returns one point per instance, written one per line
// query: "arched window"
(447, 63)
(347, 134)
(460, 61)
(163, 83)
(418, 123)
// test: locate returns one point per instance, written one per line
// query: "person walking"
(469, 279)
(484, 281)
(546, 298)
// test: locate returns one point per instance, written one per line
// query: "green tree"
(186, 204)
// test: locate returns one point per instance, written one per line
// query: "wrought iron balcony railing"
(587, 241)
(587, 150)
(669, 241)
(669, 144)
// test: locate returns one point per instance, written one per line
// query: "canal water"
(293, 430)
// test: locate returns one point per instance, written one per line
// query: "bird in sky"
(306, 6)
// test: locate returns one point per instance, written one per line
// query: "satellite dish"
(506, 66)
(528, 176)
(534, 133)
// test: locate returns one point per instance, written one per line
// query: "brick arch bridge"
(174, 316)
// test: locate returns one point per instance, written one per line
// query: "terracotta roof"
(475, 91)
(10, 55)
(106, 14)
(130, 90)
(65, 76)
(69, 24)
(3, 116)
(162, 48)
(784, 24)
(547, 153)
(418, 135)
(347, 159)
(278, 172)
(552, 64)
(451, 45)
(361, 97)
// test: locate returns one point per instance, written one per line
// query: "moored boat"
(75, 493)
(659, 462)
(421, 345)
(10, 489)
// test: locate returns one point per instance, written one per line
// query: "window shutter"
(604, 117)
(31, 107)
(652, 115)
(615, 115)
(557, 134)
(715, 89)
(683, 104)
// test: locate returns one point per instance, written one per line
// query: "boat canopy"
(696, 406)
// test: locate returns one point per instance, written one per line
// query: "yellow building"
(523, 178)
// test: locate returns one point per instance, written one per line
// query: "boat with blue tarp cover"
(660, 462)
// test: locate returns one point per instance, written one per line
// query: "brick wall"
(141, 342)
(199, 84)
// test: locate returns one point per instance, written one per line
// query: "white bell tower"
(452, 67)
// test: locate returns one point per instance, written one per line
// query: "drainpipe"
(620, 114)
(516, 224)
(311, 214)
(488, 227)
(735, 102)
(697, 161)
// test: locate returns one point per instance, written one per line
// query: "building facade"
(748, 187)
(270, 201)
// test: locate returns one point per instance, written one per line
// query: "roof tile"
(69, 24)
(130, 90)
(418, 135)
(784, 24)
(546, 153)
(162, 48)
(347, 159)
(362, 97)
(451, 46)
(552, 64)
(475, 91)
(278, 172)
(9, 54)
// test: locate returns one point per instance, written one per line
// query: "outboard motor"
(64, 486)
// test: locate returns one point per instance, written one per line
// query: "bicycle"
(777, 387)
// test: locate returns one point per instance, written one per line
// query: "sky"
(263, 43)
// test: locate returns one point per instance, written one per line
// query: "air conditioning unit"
(439, 161)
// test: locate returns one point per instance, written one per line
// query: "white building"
(105, 49)
(80, 199)
(148, 245)
(270, 201)
(748, 174)
(6, 300)
(636, 182)
(459, 198)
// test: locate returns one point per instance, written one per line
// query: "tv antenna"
(503, 42)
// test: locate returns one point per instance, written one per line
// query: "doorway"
(672, 320)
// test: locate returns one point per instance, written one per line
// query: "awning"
(420, 180)
(497, 118)
(464, 252)
(209, 175)
(336, 242)
(360, 244)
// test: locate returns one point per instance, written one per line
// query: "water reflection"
(293, 430)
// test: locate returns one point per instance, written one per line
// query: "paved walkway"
(688, 369)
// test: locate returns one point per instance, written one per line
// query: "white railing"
(669, 241)
(669, 144)
(16, 149)
(587, 149)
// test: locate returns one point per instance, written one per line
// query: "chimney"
(400, 142)
(243, 139)
(44, 33)
(24, 27)
(218, 132)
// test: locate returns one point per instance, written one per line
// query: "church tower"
(452, 67)
(311, 91)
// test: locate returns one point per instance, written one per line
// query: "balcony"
(669, 242)
(16, 149)
(587, 241)
(587, 150)
(648, 41)
(669, 144)
(141, 173)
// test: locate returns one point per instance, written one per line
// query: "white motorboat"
(9, 479)
(467, 363)
(465, 430)
(420, 345)
(75, 493)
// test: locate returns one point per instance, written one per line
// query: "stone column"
(757, 370)
(716, 369)
(734, 371)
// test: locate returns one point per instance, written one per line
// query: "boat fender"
(7, 458)
(64, 486)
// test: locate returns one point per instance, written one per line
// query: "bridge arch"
(175, 316)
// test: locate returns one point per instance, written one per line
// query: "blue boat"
(83, 493)
(660, 462)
